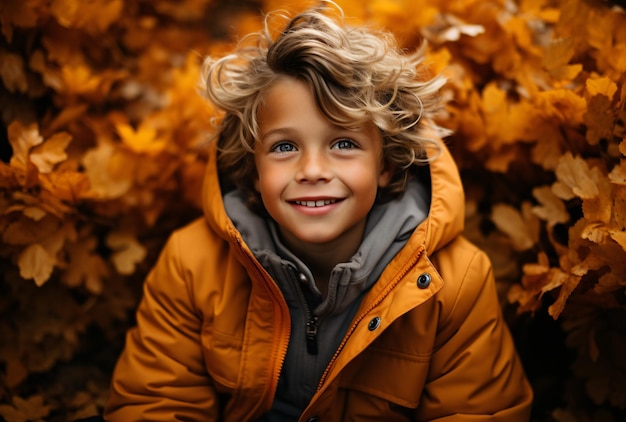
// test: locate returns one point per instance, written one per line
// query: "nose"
(313, 167)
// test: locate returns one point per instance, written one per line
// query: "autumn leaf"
(22, 139)
(24, 231)
(556, 59)
(94, 16)
(12, 72)
(36, 263)
(25, 410)
(142, 140)
(600, 85)
(67, 186)
(567, 283)
(599, 119)
(551, 209)
(107, 174)
(448, 27)
(50, 152)
(128, 252)
(85, 266)
(575, 179)
(522, 230)
(79, 79)
(21, 14)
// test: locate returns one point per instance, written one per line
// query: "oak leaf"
(143, 140)
(523, 230)
(36, 263)
(109, 174)
(599, 119)
(12, 72)
(575, 179)
(23, 139)
(85, 266)
(556, 59)
(127, 251)
(551, 209)
(31, 409)
(50, 152)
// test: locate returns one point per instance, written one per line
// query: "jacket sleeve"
(475, 373)
(160, 375)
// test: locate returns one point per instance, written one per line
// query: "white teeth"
(318, 203)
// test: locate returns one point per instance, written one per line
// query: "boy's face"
(318, 181)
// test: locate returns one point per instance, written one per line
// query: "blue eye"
(344, 144)
(283, 147)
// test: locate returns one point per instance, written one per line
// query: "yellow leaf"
(556, 59)
(36, 263)
(574, 178)
(34, 213)
(22, 139)
(68, 186)
(51, 152)
(110, 176)
(601, 85)
(94, 16)
(596, 233)
(510, 221)
(144, 139)
(551, 208)
(79, 79)
(127, 251)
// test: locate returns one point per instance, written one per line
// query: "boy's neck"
(321, 258)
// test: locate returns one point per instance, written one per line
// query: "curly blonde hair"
(357, 75)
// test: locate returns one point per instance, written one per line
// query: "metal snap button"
(423, 281)
(374, 324)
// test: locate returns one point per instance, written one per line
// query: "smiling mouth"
(315, 204)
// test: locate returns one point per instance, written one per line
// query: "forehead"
(291, 102)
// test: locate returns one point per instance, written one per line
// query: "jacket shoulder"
(467, 274)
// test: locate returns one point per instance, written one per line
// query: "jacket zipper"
(311, 335)
(312, 322)
(362, 316)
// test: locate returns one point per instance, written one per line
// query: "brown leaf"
(50, 152)
(36, 263)
(12, 72)
(127, 251)
(25, 410)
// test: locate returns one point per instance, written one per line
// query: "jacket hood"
(444, 222)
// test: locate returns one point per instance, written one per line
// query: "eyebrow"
(280, 130)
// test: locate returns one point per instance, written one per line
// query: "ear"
(385, 176)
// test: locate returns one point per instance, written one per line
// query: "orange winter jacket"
(428, 342)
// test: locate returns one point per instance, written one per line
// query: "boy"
(329, 279)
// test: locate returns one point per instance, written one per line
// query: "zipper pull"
(311, 336)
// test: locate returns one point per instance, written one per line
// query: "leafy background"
(102, 155)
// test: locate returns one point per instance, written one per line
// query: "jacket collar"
(388, 228)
